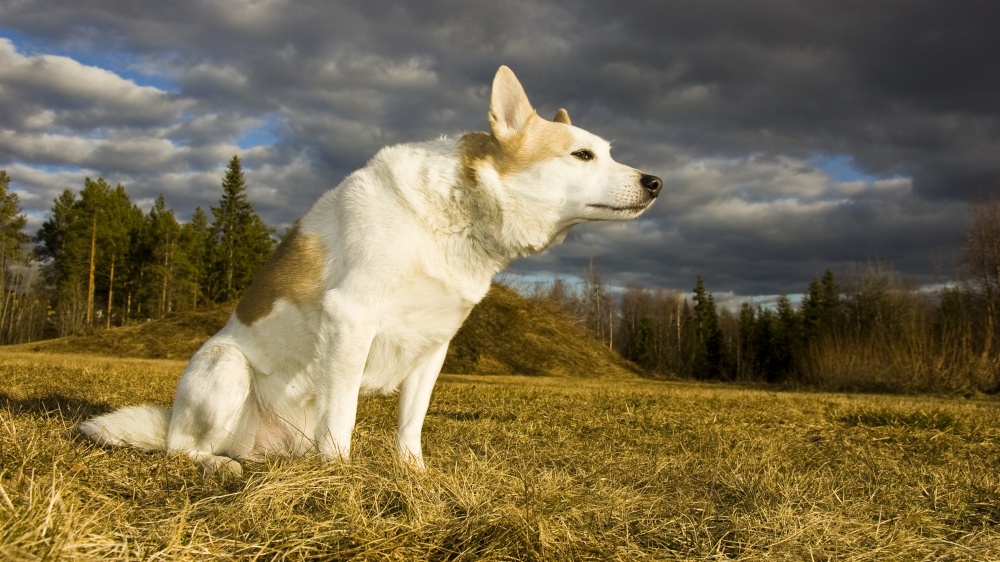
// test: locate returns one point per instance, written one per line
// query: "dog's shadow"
(69, 409)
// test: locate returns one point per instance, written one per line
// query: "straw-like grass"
(518, 469)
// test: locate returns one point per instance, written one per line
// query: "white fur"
(410, 245)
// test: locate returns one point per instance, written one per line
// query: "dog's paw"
(411, 462)
(417, 467)
(212, 465)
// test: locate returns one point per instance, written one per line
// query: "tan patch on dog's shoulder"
(540, 141)
(294, 272)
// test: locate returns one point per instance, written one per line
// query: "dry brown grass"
(519, 469)
(907, 363)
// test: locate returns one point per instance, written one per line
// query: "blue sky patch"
(841, 167)
(264, 134)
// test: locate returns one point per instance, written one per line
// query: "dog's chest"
(416, 322)
(427, 310)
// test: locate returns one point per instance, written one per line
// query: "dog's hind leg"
(215, 416)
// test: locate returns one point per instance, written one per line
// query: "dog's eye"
(585, 155)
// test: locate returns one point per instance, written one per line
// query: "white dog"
(366, 293)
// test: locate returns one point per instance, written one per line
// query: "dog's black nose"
(652, 184)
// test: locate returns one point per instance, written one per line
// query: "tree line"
(98, 261)
(864, 328)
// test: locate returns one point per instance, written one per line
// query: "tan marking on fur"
(477, 148)
(294, 273)
(540, 140)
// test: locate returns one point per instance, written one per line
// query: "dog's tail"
(144, 427)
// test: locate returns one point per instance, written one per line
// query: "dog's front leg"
(347, 337)
(414, 399)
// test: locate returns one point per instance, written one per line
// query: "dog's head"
(564, 161)
(549, 175)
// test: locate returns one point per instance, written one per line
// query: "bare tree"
(982, 263)
(599, 306)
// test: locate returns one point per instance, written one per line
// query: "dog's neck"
(496, 216)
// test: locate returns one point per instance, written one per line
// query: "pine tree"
(241, 240)
(707, 359)
(91, 216)
(785, 341)
(83, 246)
(746, 360)
(643, 343)
(164, 233)
(821, 309)
(830, 292)
(12, 241)
(12, 223)
(637, 332)
(812, 312)
(51, 237)
(60, 246)
(121, 220)
(192, 267)
(107, 216)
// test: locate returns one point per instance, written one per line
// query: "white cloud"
(382, 72)
(220, 78)
(253, 15)
(702, 181)
(46, 91)
(886, 189)
(124, 155)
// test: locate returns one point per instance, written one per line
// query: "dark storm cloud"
(735, 104)
(905, 87)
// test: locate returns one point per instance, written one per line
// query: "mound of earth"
(177, 336)
(505, 334)
(509, 334)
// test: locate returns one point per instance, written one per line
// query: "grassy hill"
(505, 334)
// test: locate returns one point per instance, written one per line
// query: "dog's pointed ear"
(562, 116)
(510, 109)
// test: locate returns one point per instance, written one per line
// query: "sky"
(791, 136)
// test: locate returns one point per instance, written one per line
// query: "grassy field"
(518, 469)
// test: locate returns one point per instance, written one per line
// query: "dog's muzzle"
(652, 184)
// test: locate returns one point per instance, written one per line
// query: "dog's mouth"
(628, 209)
